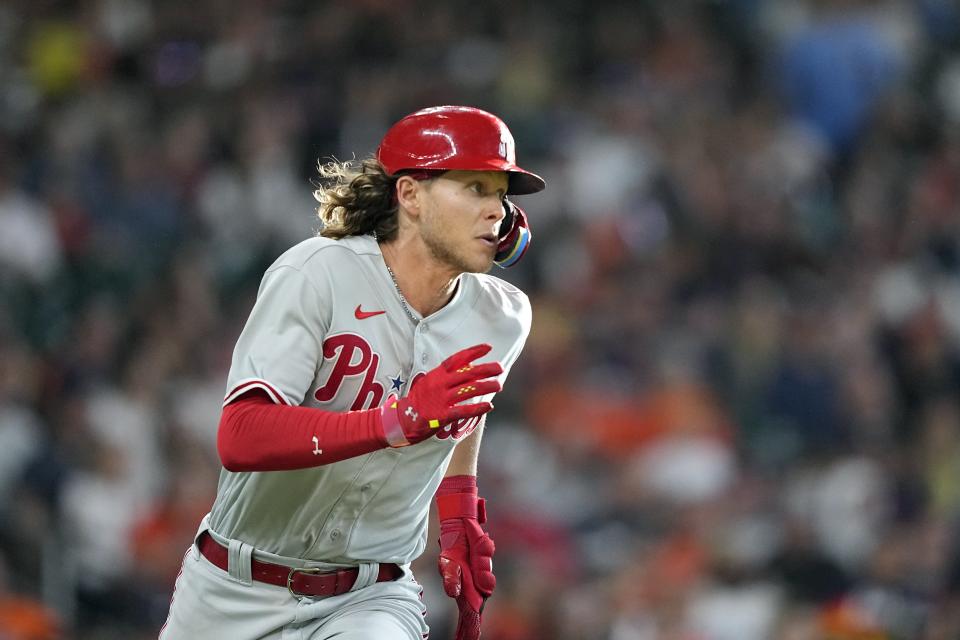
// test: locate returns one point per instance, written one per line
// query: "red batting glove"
(466, 552)
(435, 400)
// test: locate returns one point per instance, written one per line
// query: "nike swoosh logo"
(359, 314)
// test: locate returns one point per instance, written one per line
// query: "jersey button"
(335, 534)
(365, 487)
(423, 359)
(425, 327)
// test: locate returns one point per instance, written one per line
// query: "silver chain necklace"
(403, 301)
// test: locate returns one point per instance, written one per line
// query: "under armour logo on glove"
(437, 398)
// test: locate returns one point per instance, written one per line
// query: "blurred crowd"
(738, 414)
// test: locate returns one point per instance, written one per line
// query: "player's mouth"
(489, 239)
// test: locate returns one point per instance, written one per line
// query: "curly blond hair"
(356, 199)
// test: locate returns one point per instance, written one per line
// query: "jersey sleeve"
(521, 316)
(280, 348)
(516, 318)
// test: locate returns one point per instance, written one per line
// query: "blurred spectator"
(23, 618)
(836, 69)
(29, 247)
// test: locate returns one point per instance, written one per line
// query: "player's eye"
(477, 188)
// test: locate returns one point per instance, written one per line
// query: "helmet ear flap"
(514, 236)
(506, 225)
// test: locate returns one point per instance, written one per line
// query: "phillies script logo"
(354, 358)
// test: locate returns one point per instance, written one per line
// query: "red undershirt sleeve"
(257, 435)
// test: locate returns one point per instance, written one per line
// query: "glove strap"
(392, 430)
(457, 484)
(462, 505)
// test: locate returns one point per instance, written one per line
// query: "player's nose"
(494, 210)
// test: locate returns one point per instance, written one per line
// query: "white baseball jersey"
(329, 330)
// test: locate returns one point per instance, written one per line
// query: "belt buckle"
(293, 570)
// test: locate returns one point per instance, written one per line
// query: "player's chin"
(487, 265)
(477, 265)
(473, 257)
(482, 261)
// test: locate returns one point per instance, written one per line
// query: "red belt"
(300, 581)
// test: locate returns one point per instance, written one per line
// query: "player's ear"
(409, 194)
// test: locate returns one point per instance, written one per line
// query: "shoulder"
(318, 264)
(499, 312)
(318, 253)
(499, 297)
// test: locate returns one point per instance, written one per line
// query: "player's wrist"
(457, 497)
(461, 506)
(462, 483)
(393, 433)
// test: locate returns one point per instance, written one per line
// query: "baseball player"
(358, 392)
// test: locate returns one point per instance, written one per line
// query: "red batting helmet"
(455, 138)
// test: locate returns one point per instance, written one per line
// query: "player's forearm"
(257, 435)
(463, 462)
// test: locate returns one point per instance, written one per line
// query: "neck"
(426, 284)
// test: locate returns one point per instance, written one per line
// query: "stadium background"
(738, 414)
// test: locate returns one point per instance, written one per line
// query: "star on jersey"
(396, 382)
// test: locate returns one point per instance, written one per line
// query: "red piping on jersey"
(176, 583)
(250, 385)
(257, 435)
